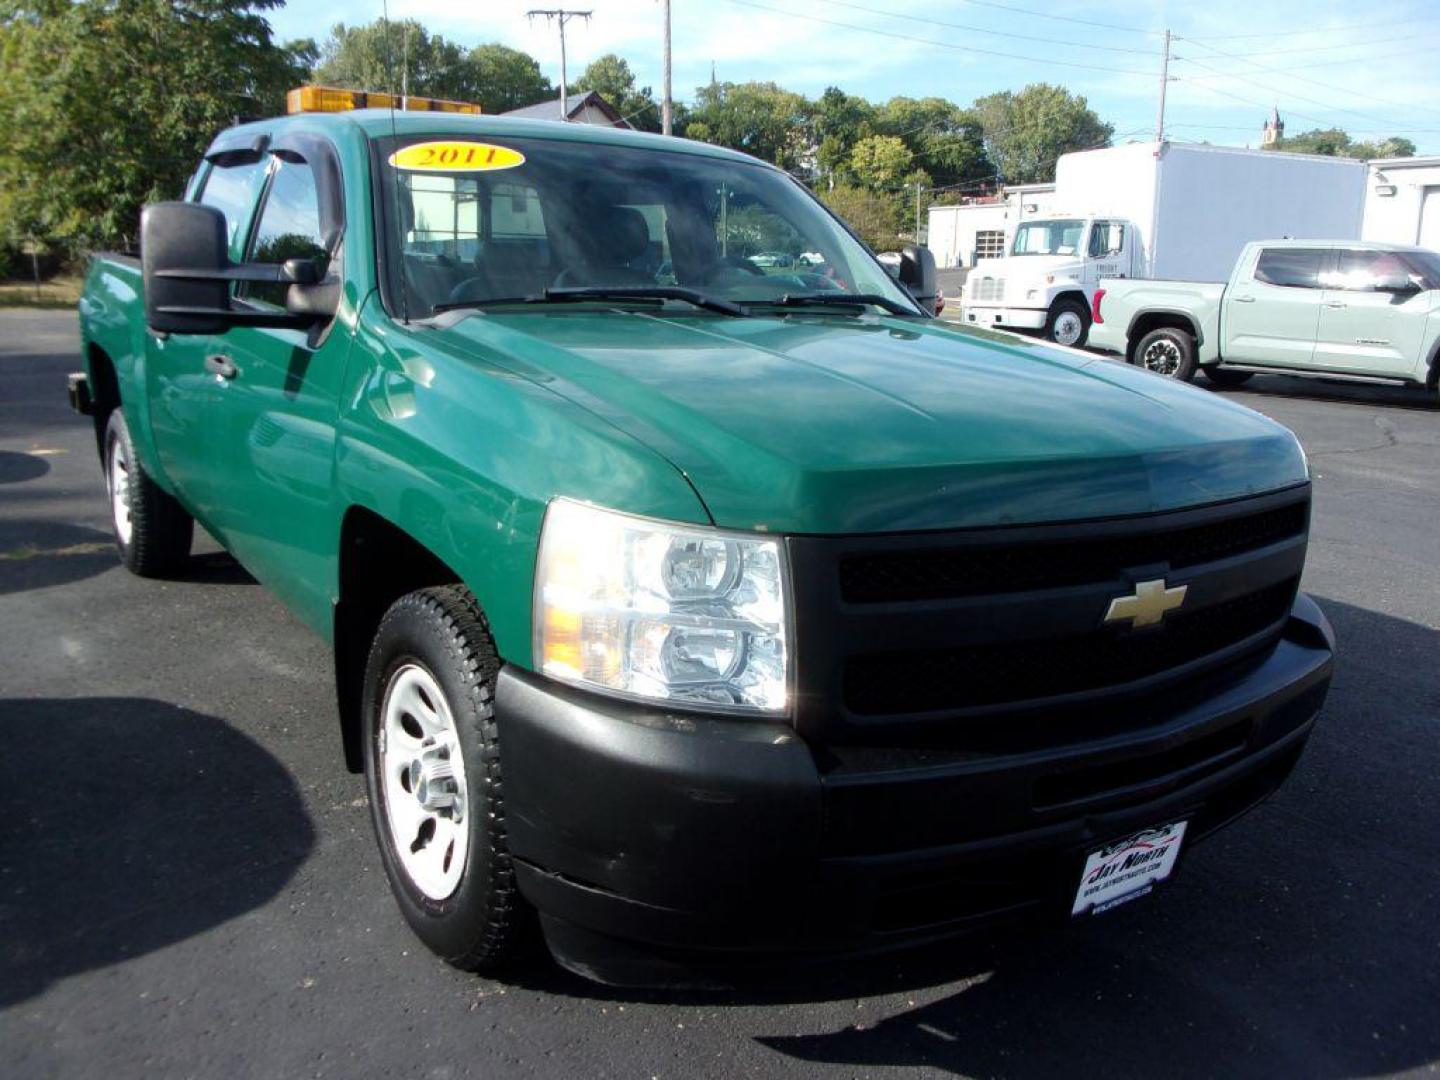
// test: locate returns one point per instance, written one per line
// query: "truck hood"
(1030, 270)
(835, 424)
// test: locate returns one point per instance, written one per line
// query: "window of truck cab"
(596, 214)
(287, 226)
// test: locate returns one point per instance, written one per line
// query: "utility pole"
(561, 16)
(1164, 83)
(405, 72)
(665, 78)
(918, 189)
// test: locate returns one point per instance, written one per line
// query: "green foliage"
(1026, 132)
(507, 78)
(374, 57)
(108, 104)
(611, 77)
(870, 215)
(759, 118)
(1333, 142)
(881, 161)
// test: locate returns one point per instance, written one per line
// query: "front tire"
(1167, 351)
(152, 531)
(1068, 323)
(1226, 377)
(432, 765)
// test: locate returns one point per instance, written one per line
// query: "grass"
(59, 292)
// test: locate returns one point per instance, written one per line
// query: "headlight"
(662, 612)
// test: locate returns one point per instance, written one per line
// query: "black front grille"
(934, 573)
(984, 674)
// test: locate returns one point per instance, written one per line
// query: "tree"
(947, 140)
(392, 56)
(838, 121)
(871, 216)
(508, 79)
(881, 162)
(373, 57)
(1333, 142)
(759, 118)
(108, 104)
(611, 77)
(1026, 133)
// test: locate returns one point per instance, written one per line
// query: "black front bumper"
(688, 832)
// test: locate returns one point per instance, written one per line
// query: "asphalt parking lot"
(189, 884)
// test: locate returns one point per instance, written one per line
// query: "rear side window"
(1292, 268)
(231, 190)
(289, 227)
(1368, 271)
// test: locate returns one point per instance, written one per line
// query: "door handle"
(1335, 303)
(221, 366)
(1244, 299)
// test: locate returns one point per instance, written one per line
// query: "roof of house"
(550, 110)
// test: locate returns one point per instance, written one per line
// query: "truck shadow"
(1302, 941)
(37, 554)
(1337, 393)
(127, 825)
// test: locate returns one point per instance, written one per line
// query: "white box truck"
(1147, 210)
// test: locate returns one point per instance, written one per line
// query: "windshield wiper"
(604, 292)
(839, 299)
(646, 292)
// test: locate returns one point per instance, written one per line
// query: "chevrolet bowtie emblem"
(1148, 605)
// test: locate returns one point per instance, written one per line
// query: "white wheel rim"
(427, 805)
(119, 478)
(1162, 357)
(1068, 326)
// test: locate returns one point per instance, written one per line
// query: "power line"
(1312, 82)
(1274, 90)
(941, 44)
(1256, 104)
(1069, 43)
(1018, 9)
(1322, 30)
(1310, 48)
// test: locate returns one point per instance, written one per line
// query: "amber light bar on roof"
(331, 99)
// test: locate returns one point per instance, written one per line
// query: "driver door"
(1105, 255)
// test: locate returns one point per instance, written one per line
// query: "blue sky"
(1323, 64)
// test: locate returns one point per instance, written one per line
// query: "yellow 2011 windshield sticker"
(455, 157)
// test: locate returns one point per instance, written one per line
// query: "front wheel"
(152, 530)
(432, 765)
(1167, 351)
(1068, 323)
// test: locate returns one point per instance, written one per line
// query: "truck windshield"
(1059, 237)
(485, 219)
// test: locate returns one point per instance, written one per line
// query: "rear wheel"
(152, 530)
(1226, 376)
(1068, 323)
(1167, 351)
(432, 764)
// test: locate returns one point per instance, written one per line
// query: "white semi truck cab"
(1047, 281)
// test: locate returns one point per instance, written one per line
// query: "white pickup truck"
(1329, 309)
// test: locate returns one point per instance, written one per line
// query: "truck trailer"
(1147, 210)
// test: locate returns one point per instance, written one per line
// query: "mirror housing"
(186, 270)
(917, 273)
(1400, 283)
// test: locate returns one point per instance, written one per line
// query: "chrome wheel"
(423, 776)
(117, 476)
(1069, 327)
(1162, 357)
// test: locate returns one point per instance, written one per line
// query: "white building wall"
(1409, 215)
(953, 229)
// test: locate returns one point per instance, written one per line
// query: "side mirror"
(917, 273)
(186, 269)
(1398, 283)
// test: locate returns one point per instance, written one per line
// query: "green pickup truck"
(701, 607)
(1345, 310)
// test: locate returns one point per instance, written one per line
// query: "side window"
(1106, 237)
(1367, 271)
(288, 228)
(231, 190)
(1292, 268)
